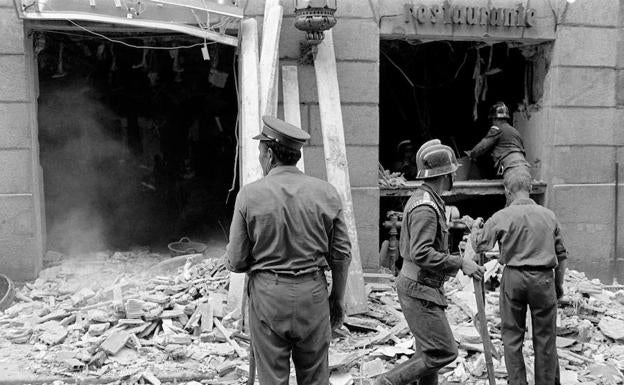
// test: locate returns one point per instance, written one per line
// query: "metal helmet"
(499, 111)
(435, 159)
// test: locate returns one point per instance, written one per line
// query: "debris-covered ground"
(171, 322)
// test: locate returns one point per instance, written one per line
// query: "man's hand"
(472, 269)
(477, 224)
(467, 220)
(336, 312)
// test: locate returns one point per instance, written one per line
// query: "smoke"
(87, 178)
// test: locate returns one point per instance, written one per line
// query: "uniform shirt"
(287, 222)
(528, 234)
(424, 242)
(502, 140)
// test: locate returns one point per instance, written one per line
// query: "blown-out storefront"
(408, 70)
(443, 64)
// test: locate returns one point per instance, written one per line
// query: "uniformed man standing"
(503, 141)
(287, 228)
(427, 263)
(531, 248)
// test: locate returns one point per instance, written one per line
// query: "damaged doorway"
(137, 136)
(444, 89)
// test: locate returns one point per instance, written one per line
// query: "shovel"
(479, 290)
(481, 321)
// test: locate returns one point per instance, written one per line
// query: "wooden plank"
(250, 127)
(336, 163)
(267, 103)
(271, 28)
(292, 109)
(207, 316)
(242, 353)
(250, 102)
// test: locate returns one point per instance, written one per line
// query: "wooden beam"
(250, 126)
(272, 105)
(336, 163)
(271, 28)
(259, 95)
(250, 102)
(290, 92)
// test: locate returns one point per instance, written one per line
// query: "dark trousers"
(435, 344)
(290, 316)
(535, 288)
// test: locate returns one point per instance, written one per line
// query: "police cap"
(277, 130)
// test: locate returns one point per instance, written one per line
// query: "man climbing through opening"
(427, 264)
(503, 141)
(287, 228)
(532, 250)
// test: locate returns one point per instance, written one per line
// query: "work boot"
(405, 373)
(429, 379)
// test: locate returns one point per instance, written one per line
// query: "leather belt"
(530, 268)
(423, 276)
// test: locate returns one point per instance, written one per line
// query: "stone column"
(581, 111)
(20, 195)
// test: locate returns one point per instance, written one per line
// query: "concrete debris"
(340, 379)
(373, 368)
(136, 326)
(612, 328)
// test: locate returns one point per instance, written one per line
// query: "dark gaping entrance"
(137, 144)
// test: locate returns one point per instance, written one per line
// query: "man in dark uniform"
(532, 250)
(406, 164)
(427, 263)
(503, 141)
(287, 228)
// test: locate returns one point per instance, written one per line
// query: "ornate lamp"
(313, 17)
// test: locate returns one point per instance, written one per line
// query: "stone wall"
(20, 204)
(356, 40)
(583, 111)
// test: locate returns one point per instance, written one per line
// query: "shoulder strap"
(423, 199)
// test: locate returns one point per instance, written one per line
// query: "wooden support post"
(336, 163)
(290, 92)
(268, 59)
(259, 97)
(250, 127)
(250, 102)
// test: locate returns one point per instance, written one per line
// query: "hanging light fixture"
(314, 17)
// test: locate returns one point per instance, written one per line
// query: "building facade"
(573, 136)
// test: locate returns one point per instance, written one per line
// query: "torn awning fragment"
(206, 19)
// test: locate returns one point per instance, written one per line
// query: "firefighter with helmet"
(427, 263)
(503, 141)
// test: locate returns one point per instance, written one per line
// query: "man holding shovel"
(427, 264)
(532, 250)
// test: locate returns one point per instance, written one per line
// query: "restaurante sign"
(457, 14)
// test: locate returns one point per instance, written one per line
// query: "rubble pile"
(131, 324)
(133, 328)
(390, 179)
(590, 334)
